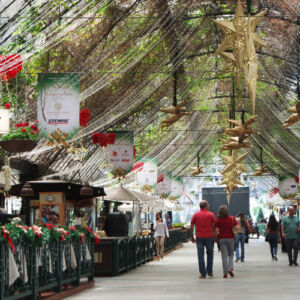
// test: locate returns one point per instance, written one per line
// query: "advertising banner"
(163, 187)
(287, 186)
(147, 172)
(176, 188)
(121, 153)
(58, 103)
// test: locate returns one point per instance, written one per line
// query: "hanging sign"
(287, 186)
(176, 188)
(121, 153)
(146, 175)
(58, 104)
(163, 187)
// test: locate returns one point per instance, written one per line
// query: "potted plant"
(21, 137)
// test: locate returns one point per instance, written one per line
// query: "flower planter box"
(17, 145)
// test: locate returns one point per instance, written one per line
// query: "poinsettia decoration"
(103, 139)
(10, 66)
(84, 117)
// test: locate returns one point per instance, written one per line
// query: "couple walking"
(207, 229)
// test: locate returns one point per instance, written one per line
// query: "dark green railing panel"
(43, 267)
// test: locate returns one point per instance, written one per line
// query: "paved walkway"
(177, 277)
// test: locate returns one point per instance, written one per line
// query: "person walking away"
(290, 229)
(240, 237)
(161, 232)
(272, 229)
(224, 233)
(283, 245)
(204, 222)
(169, 221)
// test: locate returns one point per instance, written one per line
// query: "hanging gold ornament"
(77, 153)
(239, 46)
(233, 143)
(146, 188)
(241, 130)
(232, 170)
(295, 116)
(119, 174)
(196, 170)
(261, 171)
(58, 139)
(175, 113)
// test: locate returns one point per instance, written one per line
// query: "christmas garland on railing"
(39, 235)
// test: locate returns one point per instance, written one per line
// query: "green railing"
(46, 267)
(122, 254)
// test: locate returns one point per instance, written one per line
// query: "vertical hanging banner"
(146, 175)
(163, 187)
(176, 188)
(58, 104)
(121, 153)
(287, 186)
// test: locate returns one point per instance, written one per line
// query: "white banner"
(287, 186)
(163, 187)
(147, 173)
(176, 188)
(58, 103)
(121, 153)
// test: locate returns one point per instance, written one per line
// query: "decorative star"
(295, 116)
(239, 46)
(261, 171)
(196, 171)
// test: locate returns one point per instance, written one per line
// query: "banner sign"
(163, 187)
(147, 172)
(58, 103)
(176, 188)
(287, 186)
(121, 153)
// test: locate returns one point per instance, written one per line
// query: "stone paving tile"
(177, 277)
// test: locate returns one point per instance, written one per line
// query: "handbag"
(267, 237)
(235, 229)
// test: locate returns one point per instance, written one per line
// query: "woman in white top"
(161, 231)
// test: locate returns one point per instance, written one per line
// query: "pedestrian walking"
(204, 222)
(240, 237)
(224, 233)
(272, 230)
(161, 232)
(290, 229)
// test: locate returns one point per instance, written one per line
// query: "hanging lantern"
(27, 190)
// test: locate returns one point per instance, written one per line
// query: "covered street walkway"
(177, 277)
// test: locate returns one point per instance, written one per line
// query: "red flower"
(95, 138)
(66, 233)
(35, 121)
(31, 132)
(24, 130)
(34, 127)
(49, 226)
(7, 105)
(26, 124)
(72, 228)
(62, 238)
(96, 240)
(84, 116)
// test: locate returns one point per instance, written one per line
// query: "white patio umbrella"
(120, 194)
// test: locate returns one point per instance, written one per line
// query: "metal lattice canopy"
(127, 52)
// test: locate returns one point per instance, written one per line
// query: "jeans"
(240, 238)
(227, 252)
(292, 244)
(209, 244)
(273, 241)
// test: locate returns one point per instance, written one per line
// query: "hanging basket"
(18, 145)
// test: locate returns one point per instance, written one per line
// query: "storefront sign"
(58, 103)
(121, 153)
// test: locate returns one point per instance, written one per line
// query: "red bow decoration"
(10, 66)
(273, 192)
(297, 179)
(103, 139)
(160, 178)
(96, 239)
(137, 166)
(5, 234)
(84, 117)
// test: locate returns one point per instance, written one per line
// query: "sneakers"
(210, 275)
(231, 273)
(236, 260)
(296, 264)
(225, 276)
(275, 258)
(202, 277)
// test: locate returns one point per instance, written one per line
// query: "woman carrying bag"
(161, 232)
(272, 230)
(225, 227)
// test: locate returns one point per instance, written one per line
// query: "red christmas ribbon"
(9, 240)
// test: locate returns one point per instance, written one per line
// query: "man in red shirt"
(204, 221)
